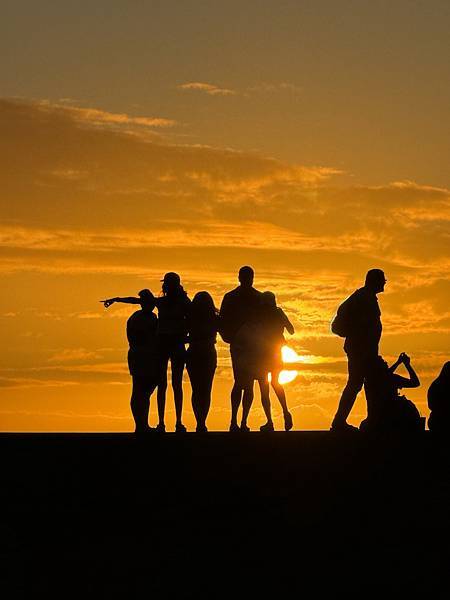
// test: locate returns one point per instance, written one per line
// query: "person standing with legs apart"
(173, 310)
(201, 357)
(238, 307)
(358, 320)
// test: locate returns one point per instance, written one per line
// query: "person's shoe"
(343, 427)
(288, 424)
(244, 428)
(144, 431)
(267, 427)
(201, 429)
(180, 428)
(160, 428)
(234, 428)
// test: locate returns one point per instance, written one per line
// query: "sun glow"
(288, 355)
(286, 376)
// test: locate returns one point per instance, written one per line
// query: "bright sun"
(289, 356)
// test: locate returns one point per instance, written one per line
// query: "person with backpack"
(358, 320)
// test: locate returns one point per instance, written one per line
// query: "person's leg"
(177, 362)
(193, 372)
(265, 400)
(205, 381)
(150, 388)
(247, 401)
(356, 374)
(236, 397)
(140, 404)
(207, 388)
(163, 361)
(236, 392)
(280, 393)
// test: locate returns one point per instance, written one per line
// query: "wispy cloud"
(70, 355)
(248, 91)
(208, 88)
(100, 116)
(256, 234)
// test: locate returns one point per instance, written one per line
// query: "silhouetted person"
(201, 357)
(238, 307)
(273, 323)
(386, 409)
(439, 401)
(142, 364)
(358, 320)
(173, 309)
(171, 337)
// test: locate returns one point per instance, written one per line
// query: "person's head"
(444, 375)
(171, 283)
(202, 305)
(147, 300)
(375, 280)
(246, 276)
(377, 370)
(268, 300)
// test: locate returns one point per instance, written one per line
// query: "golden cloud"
(208, 88)
(98, 116)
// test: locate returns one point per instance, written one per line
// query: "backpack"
(406, 416)
(340, 325)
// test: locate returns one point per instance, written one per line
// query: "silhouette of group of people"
(249, 320)
(253, 325)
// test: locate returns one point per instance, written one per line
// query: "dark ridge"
(223, 515)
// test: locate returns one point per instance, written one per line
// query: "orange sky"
(303, 146)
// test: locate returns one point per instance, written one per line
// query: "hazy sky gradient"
(310, 140)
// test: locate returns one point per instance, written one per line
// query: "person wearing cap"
(171, 337)
(239, 308)
(358, 319)
(141, 334)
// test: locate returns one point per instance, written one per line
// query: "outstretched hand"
(107, 303)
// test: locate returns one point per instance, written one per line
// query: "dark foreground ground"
(304, 514)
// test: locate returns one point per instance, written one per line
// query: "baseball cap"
(171, 277)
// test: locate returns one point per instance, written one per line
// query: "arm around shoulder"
(286, 322)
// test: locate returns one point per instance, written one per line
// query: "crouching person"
(387, 410)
